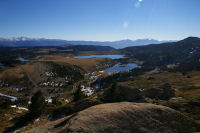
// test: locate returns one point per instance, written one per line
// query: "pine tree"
(78, 95)
(37, 103)
(112, 94)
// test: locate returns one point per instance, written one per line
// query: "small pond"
(22, 59)
(121, 68)
(100, 56)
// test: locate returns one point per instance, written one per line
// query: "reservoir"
(120, 68)
(100, 56)
(22, 59)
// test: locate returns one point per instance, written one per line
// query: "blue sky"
(100, 20)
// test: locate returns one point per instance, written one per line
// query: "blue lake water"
(121, 68)
(101, 56)
(22, 59)
(1, 64)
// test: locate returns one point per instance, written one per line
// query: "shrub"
(121, 93)
(4, 104)
(61, 110)
(165, 92)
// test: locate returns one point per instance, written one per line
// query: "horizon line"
(37, 38)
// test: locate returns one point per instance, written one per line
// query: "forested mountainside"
(184, 51)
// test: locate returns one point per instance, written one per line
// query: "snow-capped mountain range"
(25, 41)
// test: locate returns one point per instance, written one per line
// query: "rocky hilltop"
(124, 117)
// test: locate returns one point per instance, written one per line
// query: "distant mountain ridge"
(25, 41)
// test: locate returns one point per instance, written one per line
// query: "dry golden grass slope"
(177, 80)
(187, 88)
(86, 64)
(124, 117)
(24, 75)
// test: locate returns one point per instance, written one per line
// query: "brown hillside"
(124, 117)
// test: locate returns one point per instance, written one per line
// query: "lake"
(120, 68)
(1, 64)
(22, 59)
(100, 56)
